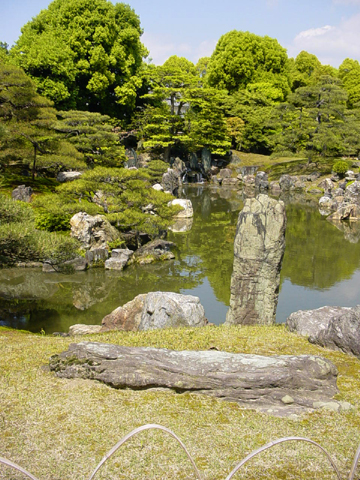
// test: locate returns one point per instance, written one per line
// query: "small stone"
(80, 329)
(330, 406)
(287, 400)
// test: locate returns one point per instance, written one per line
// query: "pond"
(321, 267)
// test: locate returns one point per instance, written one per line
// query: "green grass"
(9, 181)
(59, 429)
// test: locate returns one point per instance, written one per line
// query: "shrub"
(340, 167)
(14, 211)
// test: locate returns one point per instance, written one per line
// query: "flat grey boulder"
(156, 310)
(119, 259)
(80, 329)
(154, 251)
(168, 309)
(68, 176)
(279, 385)
(22, 193)
(337, 328)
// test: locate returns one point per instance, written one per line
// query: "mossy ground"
(60, 429)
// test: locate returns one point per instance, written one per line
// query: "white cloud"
(331, 44)
(161, 48)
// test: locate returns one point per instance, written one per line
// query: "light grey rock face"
(314, 176)
(225, 173)
(119, 259)
(127, 317)
(92, 231)
(22, 193)
(261, 181)
(346, 211)
(158, 187)
(258, 252)
(179, 166)
(337, 328)
(287, 182)
(168, 309)
(279, 385)
(193, 160)
(311, 322)
(187, 208)
(227, 182)
(249, 180)
(68, 176)
(171, 181)
(327, 185)
(352, 193)
(80, 329)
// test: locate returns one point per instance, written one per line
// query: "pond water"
(321, 267)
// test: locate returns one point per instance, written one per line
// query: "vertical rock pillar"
(258, 252)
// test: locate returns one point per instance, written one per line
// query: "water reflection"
(319, 267)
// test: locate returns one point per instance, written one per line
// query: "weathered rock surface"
(337, 328)
(97, 256)
(158, 187)
(261, 181)
(80, 329)
(171, 181)
(22, 193)
(168, 309)
(119, 259)
(206, 159)
(92, 231)
(157, 310)
(68, 176)
(287, 182)
(127, 317)
(154, 251)
(258, 252)
(228, 181)
(187, 208)
(278, 385)
(225, 173)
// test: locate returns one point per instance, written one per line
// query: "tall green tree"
(349, 73)
(84, 55)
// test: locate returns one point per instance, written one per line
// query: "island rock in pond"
(258, 248)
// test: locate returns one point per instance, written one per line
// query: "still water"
(321, 267)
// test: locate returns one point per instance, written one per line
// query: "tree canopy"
(84, 54)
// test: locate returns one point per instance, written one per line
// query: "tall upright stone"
(258, 252)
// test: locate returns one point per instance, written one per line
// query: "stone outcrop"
(258, 252)
(168, 309)
(68, 176)
(261, 181)
(346, 206)
(92, 231)
(171, 181)
(119, 259)
(96, 257)
(22, 193)
(157, 310)
(187, 208)
(279, 385)
(287, 182)
(337, 328)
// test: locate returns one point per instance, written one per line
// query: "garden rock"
(261, 181)
(258, 252)
(168, 309)
(337, 328)
(97, 256)
(68, 176)
(171, 181)
(80, 329)
(119, 259)
(225, 173)
(93, 231)
(22, 193)
(127, 317)
(287, 182)
(253, 381)
(154, 251)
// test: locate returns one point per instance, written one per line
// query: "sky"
(330, 29)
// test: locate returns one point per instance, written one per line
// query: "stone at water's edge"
(258, 252)
(92, 231)
(279, 385)
(186, 205)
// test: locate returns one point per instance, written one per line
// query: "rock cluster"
(258, 251)
(93, 231)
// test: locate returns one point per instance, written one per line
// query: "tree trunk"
(167, 154)
(34, 163)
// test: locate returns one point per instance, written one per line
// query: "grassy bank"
(59, 429)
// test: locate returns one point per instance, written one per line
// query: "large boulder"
(261, 181)
(187, 208)
(352, 193)
(287, 182)
(22, 193)
(337, 328)
(206, 159)
(168, 309)
(258, 252)
(92, 231)
(279, 385)
(127, 317)
(157, 310)
(68, 176)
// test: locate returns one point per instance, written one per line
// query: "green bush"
(340, 167)
(14, 211)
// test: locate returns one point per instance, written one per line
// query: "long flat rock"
(280, 385)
